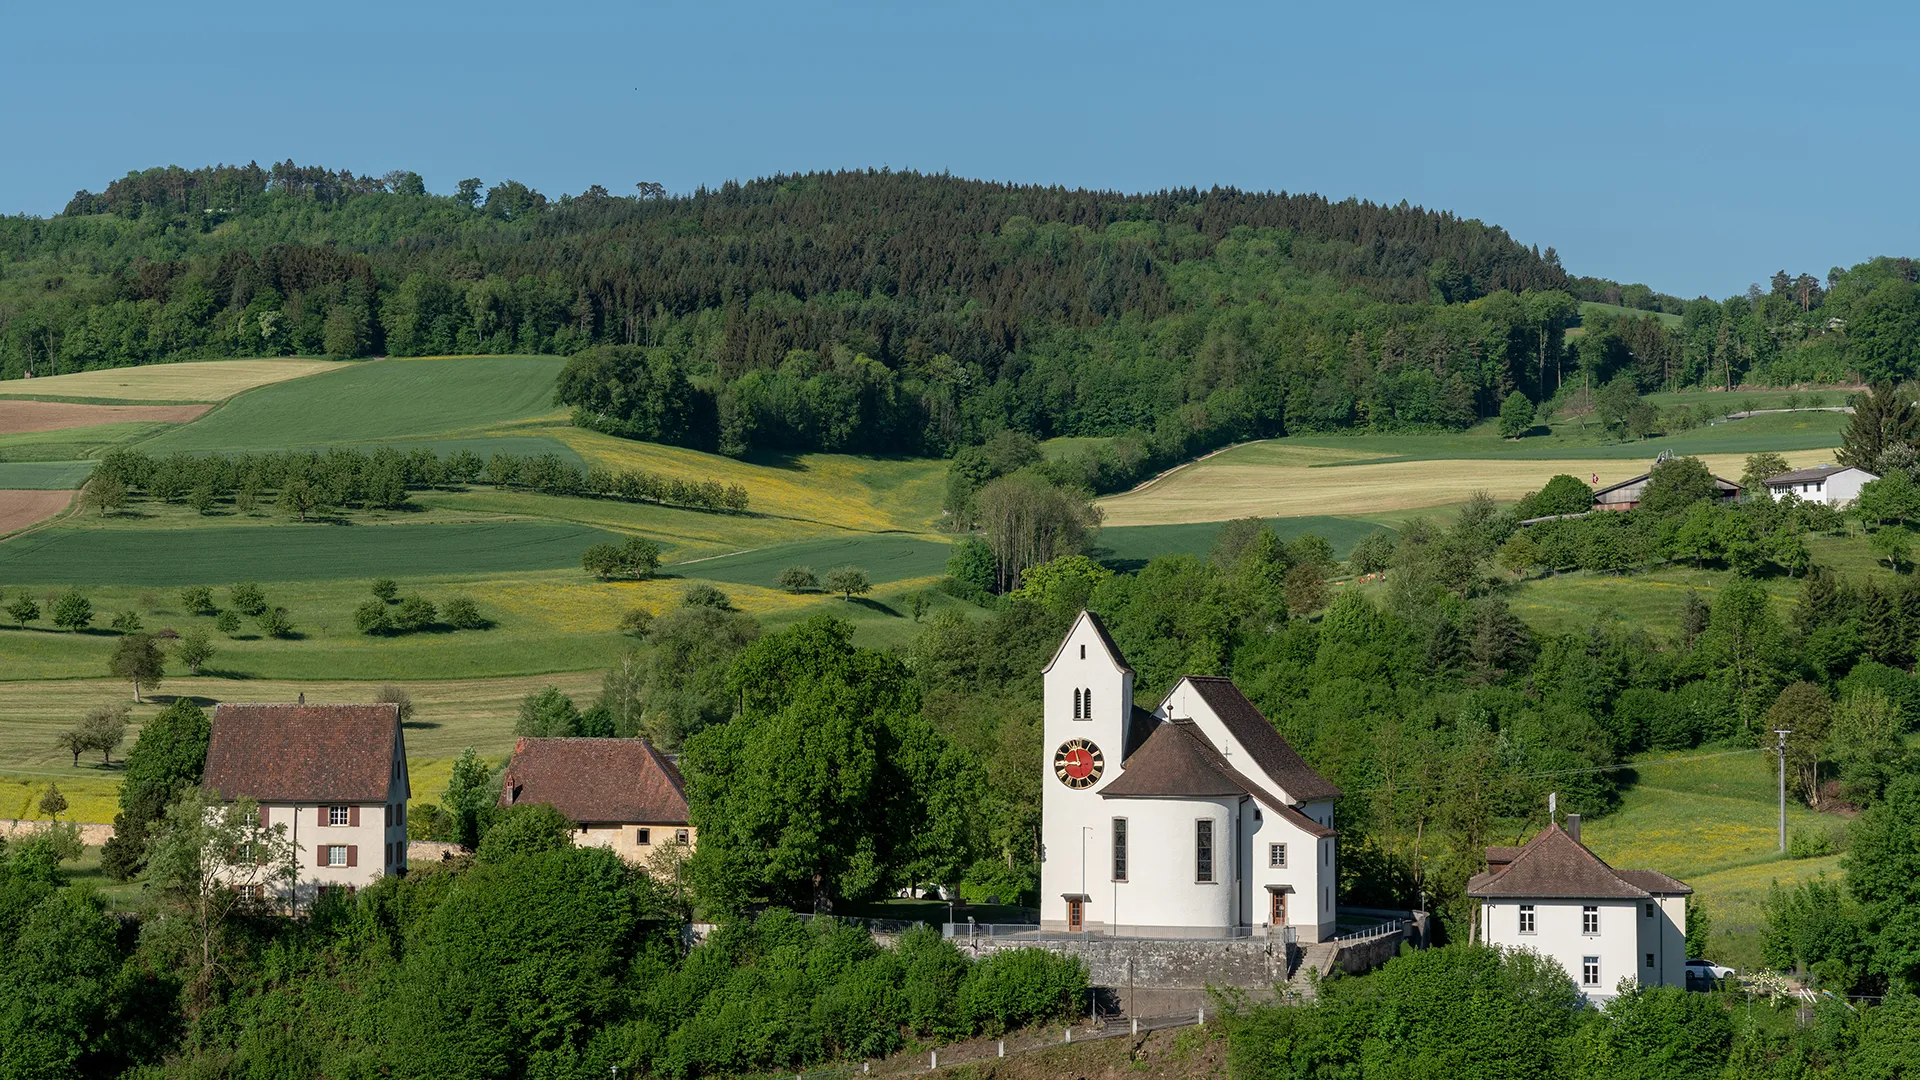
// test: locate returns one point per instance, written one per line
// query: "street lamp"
(1783, 733)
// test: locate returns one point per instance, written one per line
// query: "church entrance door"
(1076, 915)
(1279, 909)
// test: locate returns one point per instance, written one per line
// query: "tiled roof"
(302, 753)
(1817, 472)
(1177, 761)
(1721, 482)
(1256, 734)
(596, 780)
(1553, 865)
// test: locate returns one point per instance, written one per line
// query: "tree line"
(304, 482)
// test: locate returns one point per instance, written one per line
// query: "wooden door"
(1279, 908)
(1076, 915)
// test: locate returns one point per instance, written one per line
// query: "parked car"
(1705, 973)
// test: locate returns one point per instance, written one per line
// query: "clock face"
(1078, 763)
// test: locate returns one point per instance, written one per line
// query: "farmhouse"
(1625, 495)
(1555, 897)
(1194, 820)
(620, 793)
(335, 776)
(1835, 485)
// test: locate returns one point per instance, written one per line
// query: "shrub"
(72, 611)
(415, 612)
(463, 614)
(247, 599)
(386, 589)
(396, 695)
(1810, 842)
(372, 617)
(126, 622)
(227, 622)
(849, 581)
(23, 610)
(798, 579)
(198, 600)
(1017, 987)
(274, 622)
(637, 621)
(701, 594)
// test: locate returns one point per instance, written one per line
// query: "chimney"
(1573, 827)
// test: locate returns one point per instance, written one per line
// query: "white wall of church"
(1307, 876)
(1072, 817)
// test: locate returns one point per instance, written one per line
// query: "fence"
(1014, 933)
(1391, 926)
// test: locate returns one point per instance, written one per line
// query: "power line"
(1557, 772)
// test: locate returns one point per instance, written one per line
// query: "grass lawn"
(1593, 309)
(1133, 545)
(164, 384)
(885, 558)
(43, 475)
(375, 402)
(1715, 825)
(290, 552)
(67, 444)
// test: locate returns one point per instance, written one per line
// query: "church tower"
(1088, 706)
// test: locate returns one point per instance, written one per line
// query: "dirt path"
(19, 417)
(19, 509)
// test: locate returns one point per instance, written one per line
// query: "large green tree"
(1884, 416)
(166, 759)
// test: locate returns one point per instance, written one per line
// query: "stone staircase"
(1317, 957)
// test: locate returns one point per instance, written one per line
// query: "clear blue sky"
(1694, 146)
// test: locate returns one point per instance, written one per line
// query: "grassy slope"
(1590, 309)
(164, 384)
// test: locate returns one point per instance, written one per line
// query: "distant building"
(1556, 898)
(1835, 485)
(1194, 820)
(334, 775)
(1625, 495)
(620, 794)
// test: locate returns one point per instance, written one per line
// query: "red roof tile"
(596, 781)
(284, 753)
(1177, 761)
(1257, 735)
(1553, 865)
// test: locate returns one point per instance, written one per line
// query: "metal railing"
(1368, 933)
(1013, 932)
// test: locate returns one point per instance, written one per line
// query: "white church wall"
(1071, 817)
(1308, 877)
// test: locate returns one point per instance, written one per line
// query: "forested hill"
(859, 311)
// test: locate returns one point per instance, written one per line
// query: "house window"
(1203, 850)
(1649, 959)
(1526, 918)
(1649, 911)
(643, 837)
(1277, 855)
(337, 815)
(336, 855)
(1119, 849)
(1589, 971)
(1590, 920)
(681, 837)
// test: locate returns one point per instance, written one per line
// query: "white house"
(1835, 485)
(1556, 898)
(334, 775)
(1193, 820)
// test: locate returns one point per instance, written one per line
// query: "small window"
(1078, 712)
(1649, 911)
(1083, 652)
(1203, 850)
(1590, 920)
(1526, 918)
(336, 855)
(681, 837)
(1589, 971)
(643, 837)
(1087, 696)
(1649, 959)
(1277, 855)
(337, 815)
(1119, 849)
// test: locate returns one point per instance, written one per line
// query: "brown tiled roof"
(1177, 761)
(302, 753)
(1553, 865)
(1256, 734)
(597, 780)
(1500, 856)
(1105, 639)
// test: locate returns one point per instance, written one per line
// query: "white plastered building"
(1835, 485)
(1556, 898)
(1196, 819)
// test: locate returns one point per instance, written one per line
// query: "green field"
(1135, 544)
(43, 475)
(1567, 438)
(1713, 823)
(387, 401)
(886, 559)
(1594, 309)
(290, 552)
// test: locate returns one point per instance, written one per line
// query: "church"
(1195, 820)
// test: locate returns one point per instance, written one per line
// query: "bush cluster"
(634, 558)
(306, 481)
(246, 598)
(391, 613)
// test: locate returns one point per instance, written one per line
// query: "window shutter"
(322, 819)
(353, 855)
(353, 816)
(320, 855)
(263, 817)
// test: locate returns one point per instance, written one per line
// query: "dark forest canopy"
(879, 311)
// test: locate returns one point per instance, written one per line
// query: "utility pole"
(1783, 733)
